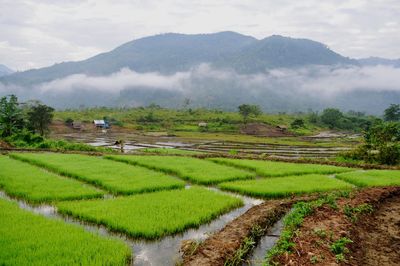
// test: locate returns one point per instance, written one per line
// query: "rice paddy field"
(30, 239)
(152, 201)
(273, 169)
(154, 215)
(195, 170)
(372, 178)
(117, 178)
(24, 181)
(286, 186)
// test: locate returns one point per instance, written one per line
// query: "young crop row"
(192, 169)
(276, 169)
(30, 239)
(372, 178)
(153, 215)
(118, 178)
(22, 180)
(285, 186)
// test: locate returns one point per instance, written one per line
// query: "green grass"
(36, 185)
(169, 151)
(118, 178)
(372, 178)
(31, 239)
(153, 215)
(193, 169)
(273, 169)
(285, 186)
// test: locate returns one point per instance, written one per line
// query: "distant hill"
(4, 70)
(374, 61)
(169, 53)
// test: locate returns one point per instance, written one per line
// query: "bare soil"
(375, 236)
(263, 130)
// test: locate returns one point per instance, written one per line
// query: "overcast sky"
(37, 33)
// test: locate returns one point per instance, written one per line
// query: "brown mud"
(375, 236)
(224, 244)
(263, 130)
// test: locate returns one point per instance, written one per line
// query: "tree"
(297, 123)
(392, 113)
(39, 118)
(11, 119)
(331, 117)
(246, 110)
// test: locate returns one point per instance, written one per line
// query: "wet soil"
(263, 130)
(375, 236)
(223, 245)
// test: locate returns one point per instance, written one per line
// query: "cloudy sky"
(37, 33)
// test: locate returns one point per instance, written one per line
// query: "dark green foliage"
(247, 110)
(331, 117)
(11, 118)
(339, 248)
(353, 212)
(39, 118)
(392, 113)
(297, 123)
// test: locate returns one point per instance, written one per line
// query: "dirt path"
(377, 237)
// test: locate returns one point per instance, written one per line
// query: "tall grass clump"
(31, 239)
(36, 185)
(285, 186)
(153, 215)
(192, 169)
(372, 178)
(117, 178)
(274, 169)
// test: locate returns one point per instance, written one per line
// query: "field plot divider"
(61, 172)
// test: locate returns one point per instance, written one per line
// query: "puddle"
(158, 252)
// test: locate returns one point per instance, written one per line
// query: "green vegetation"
(285, 186)
(372, 178)
(392, 113)
(193, 169)
(353, 212)
(247, 110)
(153, 215)
(273, 169)
(118, 178)
(40, 117)
(30, 239)
(36, 185)
(169, 151)
(339, 248)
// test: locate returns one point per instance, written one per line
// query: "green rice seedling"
(33, 184)
(30, 239)
(285, 186)
(118, 178)
(153, 215)
(193, 169)
(274, 169)
(372, 178)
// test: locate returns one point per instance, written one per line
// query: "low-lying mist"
(369, 88)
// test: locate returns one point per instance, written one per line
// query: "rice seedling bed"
(33, 184)
(372, 178)
(274, 169)
(153, 215)
(285, 186)
(193, 169)
(116, 177)
(31, 239)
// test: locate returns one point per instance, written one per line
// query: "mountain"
(170, 53)
(4, 70)
(283, 52)
(165, 53)
(375, 61)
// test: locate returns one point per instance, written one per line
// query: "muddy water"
(257, 255)
(160, 252)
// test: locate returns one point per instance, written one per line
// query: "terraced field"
(24, 181)
(273, 169)
(117, 178)
(372, 178)
(192, 169)
(30, 239)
